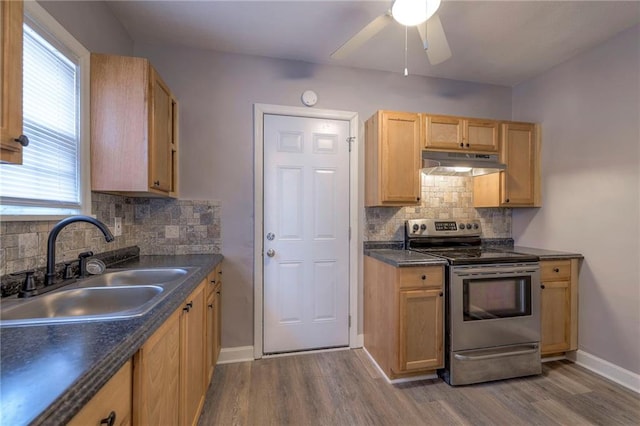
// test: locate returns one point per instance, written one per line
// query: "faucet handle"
(29, 286)
(83, 263)
(68, 272)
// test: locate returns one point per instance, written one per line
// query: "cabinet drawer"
(554, 270)
(420, 277)
(114, 397)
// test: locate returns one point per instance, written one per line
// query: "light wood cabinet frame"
(392, 159)
(11, 18)
(404, 318)
(451, 133)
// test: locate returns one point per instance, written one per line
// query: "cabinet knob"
(506, 201)
(424, 277)
(213, 281)
(556, 269)
(441, 294)
(417, 198)
(467, 145)
(110, 420)
(22, 140)
(210, 306)
(542, 286)
(461, 145)
(156, 183)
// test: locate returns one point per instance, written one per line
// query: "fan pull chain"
(406, 70)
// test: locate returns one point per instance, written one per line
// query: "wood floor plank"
(343, 388)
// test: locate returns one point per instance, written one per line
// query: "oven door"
(494, 305)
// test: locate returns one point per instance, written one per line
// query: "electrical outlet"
(117, 227)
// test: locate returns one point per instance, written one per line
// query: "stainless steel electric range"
(492, 305)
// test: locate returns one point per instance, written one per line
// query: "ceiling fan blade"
(434, 41)
(362, 36)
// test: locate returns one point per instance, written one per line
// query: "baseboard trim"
(235, 354)
(626, 378)
(359, 342)
(402, 380)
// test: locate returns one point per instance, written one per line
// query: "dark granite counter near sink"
(49, 372)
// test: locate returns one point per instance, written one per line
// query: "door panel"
(306, 226)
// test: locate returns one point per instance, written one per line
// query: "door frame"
(259, 111)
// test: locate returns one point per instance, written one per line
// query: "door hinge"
(349, 233)
(349, 321)
(350, 140)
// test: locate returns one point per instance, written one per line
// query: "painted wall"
(217, 91)
(589, 108)
(92, 24)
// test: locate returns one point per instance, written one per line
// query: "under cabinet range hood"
(460, 163)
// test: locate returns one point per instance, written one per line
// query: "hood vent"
(460, 164)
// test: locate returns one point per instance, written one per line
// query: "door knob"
(271, 252)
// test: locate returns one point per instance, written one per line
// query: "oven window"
(493, 298)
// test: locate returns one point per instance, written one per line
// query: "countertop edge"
(401, 258)
(545, 254)
(71, 401)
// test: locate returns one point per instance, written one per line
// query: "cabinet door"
(519, 152)
(210, 340)
(400, 157)
(161, 137)
(112, 401)
(157, 376)
(444, 132)
(555, 308)
(421, 330)
(482, 135)
(192, 357)
(11, 13)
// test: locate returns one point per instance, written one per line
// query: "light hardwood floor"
(343, 388)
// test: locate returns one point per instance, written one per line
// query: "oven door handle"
(496, 271)
(531, 349)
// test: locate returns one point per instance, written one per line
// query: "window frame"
(45, 22)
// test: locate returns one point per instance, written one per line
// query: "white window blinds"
(50, 174)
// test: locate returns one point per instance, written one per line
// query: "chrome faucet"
(50, 276)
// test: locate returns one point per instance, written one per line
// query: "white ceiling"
(499, 42)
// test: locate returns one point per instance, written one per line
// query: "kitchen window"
(54, 177)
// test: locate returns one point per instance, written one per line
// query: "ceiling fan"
(419, 13)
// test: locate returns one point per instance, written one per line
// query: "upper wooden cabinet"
(134, 144)
(11, 16)
(519, 185)
(392, 159)
(443, 132)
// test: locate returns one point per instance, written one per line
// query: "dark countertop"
(402, 258)
(544, 254)
(49, 372)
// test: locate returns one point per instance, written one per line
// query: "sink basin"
(137, 277)
(82, 304)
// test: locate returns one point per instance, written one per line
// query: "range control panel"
(443, 227)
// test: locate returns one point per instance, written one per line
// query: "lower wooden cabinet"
(192, 355)
(213, 322)
(404, 317)
(173, 369)
(111, 405)
(156, 380)
(559, 305)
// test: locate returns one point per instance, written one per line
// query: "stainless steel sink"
(149, 276)
(82, 304)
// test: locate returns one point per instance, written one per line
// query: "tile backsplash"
(443, 197)
(156, 225)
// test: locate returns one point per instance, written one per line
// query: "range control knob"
(468, 226)
(476, 226)
(461, 226)
(415, 227)
(423, 227)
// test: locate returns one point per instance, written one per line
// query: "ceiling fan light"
(413, 12)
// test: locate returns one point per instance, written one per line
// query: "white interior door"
(306, 233)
